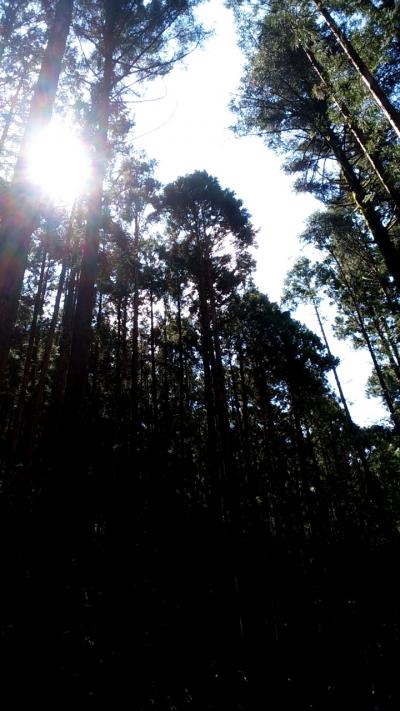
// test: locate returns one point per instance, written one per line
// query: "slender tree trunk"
(373, 159)
(386, 345)
(153, 367)
(335, 373)
(118, 350)
(124, 417)
(237, 412)
(385, 392)
(245, 406)
(135, 343)
(219, 387)
(181, 374)
(365, 75)
(21, 217)
(390, 254)
(392, 343)
(358, 447)
(207, 356)
(360, 319)
(167, 408)
(60, 378)
(81, 334)
(96, 354)
(40, 388)
(37, 310)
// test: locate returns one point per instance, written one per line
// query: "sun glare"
(58, 163)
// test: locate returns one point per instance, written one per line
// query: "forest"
(190, 518)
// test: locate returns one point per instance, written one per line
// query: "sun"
(58, 163)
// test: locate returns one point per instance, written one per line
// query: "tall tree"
(208, 218)
(143, 43)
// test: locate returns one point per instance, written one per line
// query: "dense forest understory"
(189, 515)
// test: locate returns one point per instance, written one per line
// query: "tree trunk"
(335, 373)
(365, 75)
(166, 387)
(38, 306)
(392, 343)
(135, 343)
(386, 344)
(385, 392)
(361, 139)
(245, 406)
(60, 378)
(180, 373)
(153, 367)
(21, 217)
(96, 354)
(40, 388)
(390, 253)
(219, 385)
(81, 334)
(207, 356)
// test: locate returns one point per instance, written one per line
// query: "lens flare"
(58, 163)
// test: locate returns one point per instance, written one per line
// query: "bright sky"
(187, 129)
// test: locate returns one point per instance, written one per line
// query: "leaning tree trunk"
(21, 216)
(373, 159)
(365, 75)
(358, 447)
(385, 343)
(361, 322)
(380, 234)
(335, 373)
